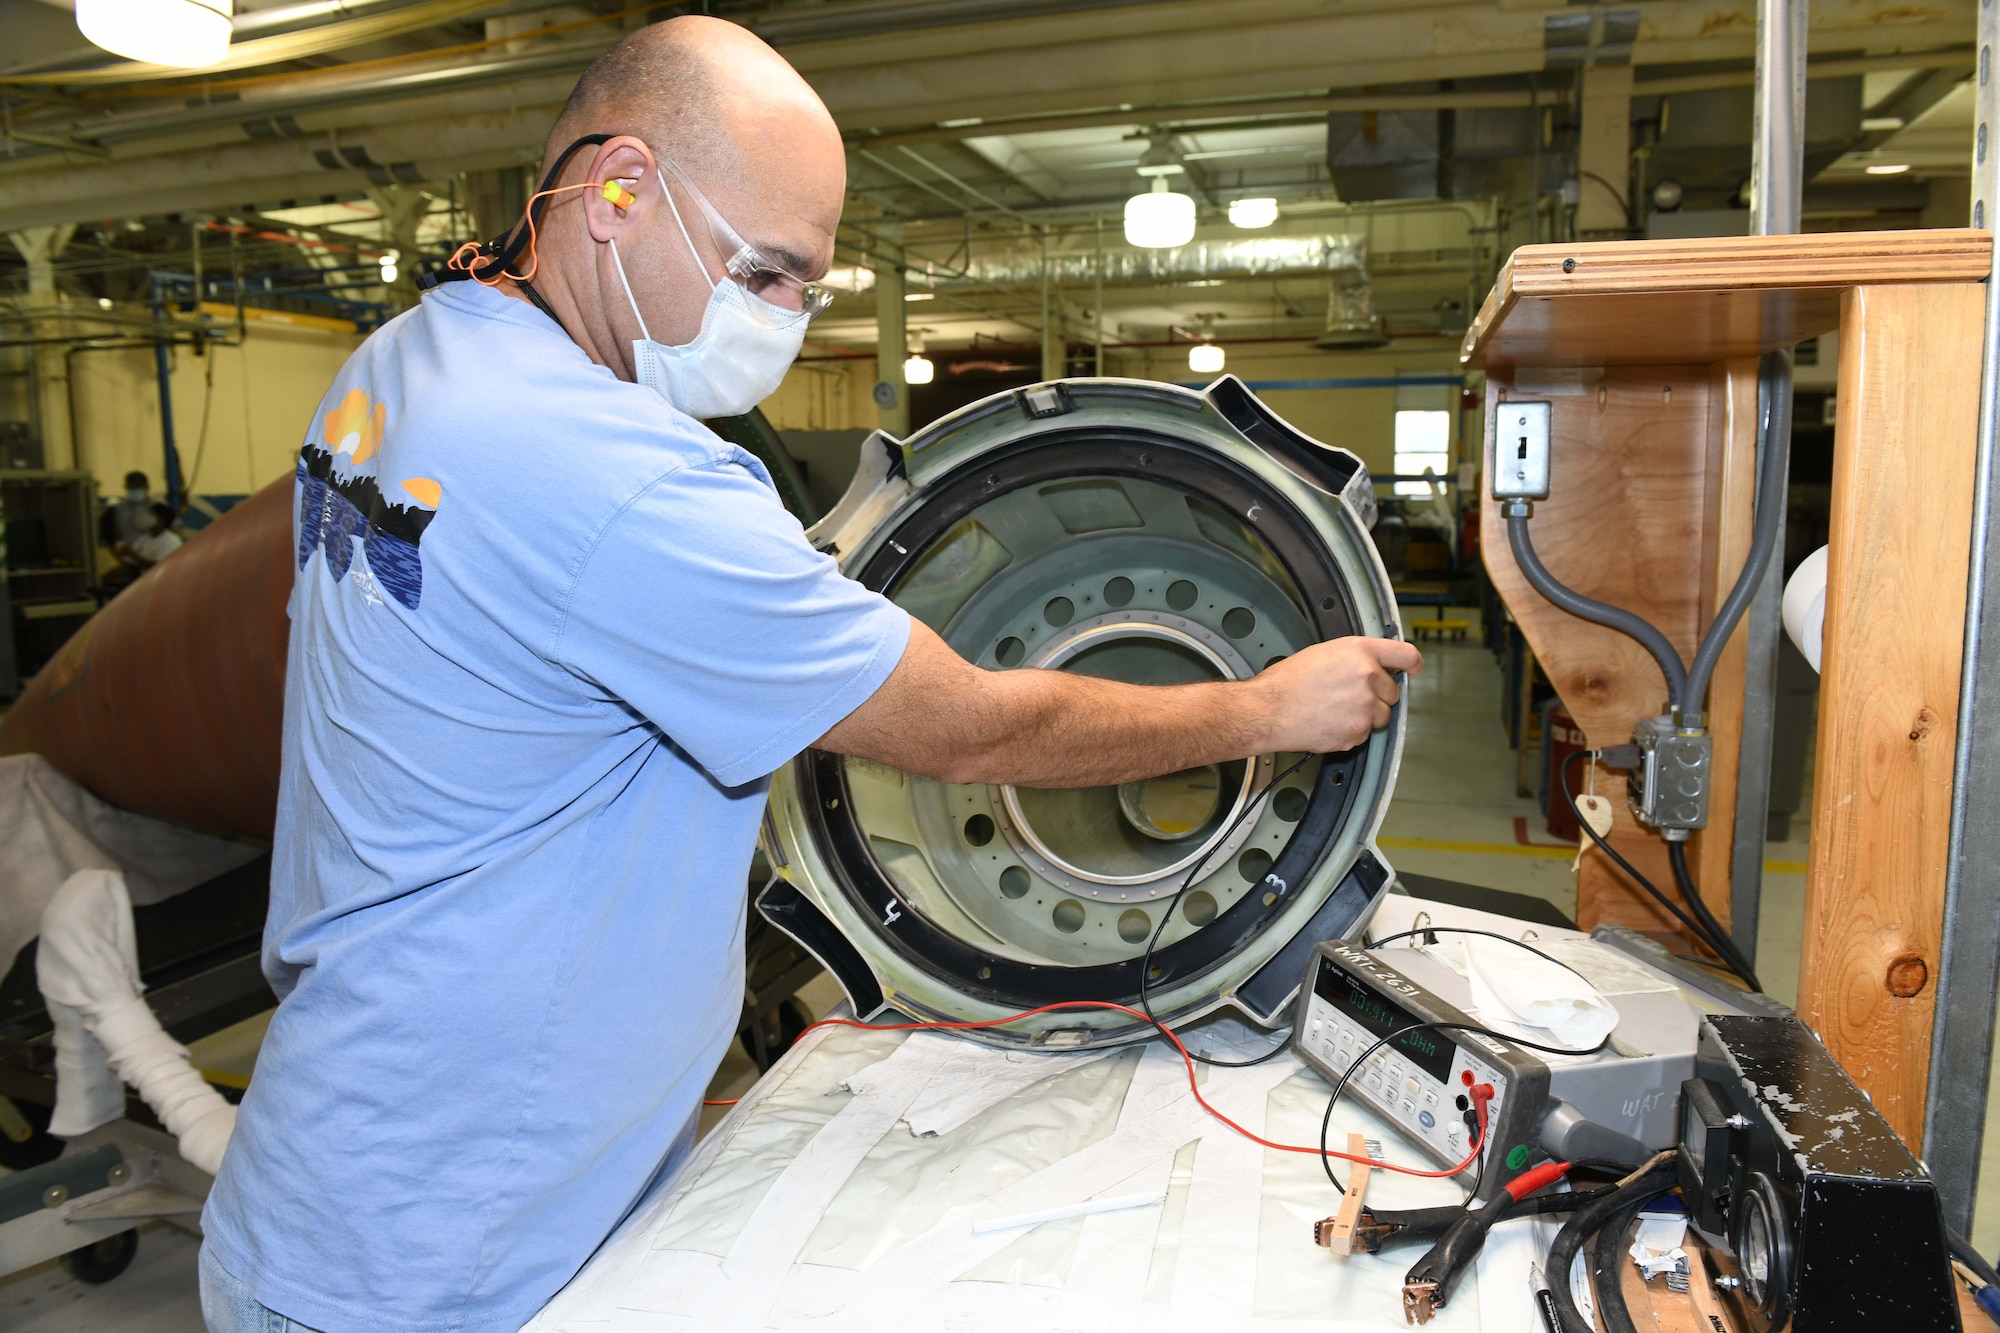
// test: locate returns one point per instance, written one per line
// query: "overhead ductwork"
(1264, 256)
(1351, 323)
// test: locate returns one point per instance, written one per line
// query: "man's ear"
(624, 186)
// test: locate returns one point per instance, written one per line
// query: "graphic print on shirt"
(340, 499)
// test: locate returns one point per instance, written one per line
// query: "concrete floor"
(1454, 816)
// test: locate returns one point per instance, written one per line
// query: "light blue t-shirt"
(549, 637)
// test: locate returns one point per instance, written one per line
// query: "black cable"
(1607, 1260)
(1569, 798)
(1961, 1250)
(1598, 613)
(1467, 930)
(1194, 872)
(1722, 950)
(1677, 857)
(1583, 1224)
(1325, 1122)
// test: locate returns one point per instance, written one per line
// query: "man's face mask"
(750, 331)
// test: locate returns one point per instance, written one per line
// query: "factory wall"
(257, 409)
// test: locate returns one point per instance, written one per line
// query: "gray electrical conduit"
(1774, 433)
(1599, 613)
(1687, 686)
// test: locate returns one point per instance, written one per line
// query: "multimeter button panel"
(1398, 1089)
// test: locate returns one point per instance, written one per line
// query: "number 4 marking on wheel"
(890, 915)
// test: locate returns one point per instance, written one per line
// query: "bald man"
(550, 635)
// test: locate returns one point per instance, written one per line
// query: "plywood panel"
(1626, 522)
(1707, 300)
(1895, 624)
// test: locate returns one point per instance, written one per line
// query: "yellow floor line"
(1479, 848)
(1539, 852)
(224, 1078)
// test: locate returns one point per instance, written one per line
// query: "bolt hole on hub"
(1146, 534)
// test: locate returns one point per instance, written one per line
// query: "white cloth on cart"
(815, 1204)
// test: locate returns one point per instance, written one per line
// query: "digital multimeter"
(1618, 1104)
(1420, 1081)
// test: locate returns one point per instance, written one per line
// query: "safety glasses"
(756, 275)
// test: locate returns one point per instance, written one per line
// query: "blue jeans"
(228, 1307)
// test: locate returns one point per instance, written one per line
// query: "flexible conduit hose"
(1585, 1223)
(1774, 434)
(1687, 686)
(1598, 613)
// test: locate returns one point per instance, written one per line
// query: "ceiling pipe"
(266, 171)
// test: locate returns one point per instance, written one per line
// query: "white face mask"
(737, 360)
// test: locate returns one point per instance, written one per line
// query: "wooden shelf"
(1695, 302)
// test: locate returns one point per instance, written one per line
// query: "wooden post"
(1895, 631)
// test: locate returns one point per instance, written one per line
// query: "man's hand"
(939, 716)
(1331, 695)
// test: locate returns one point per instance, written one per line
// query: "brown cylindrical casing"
(170, 701)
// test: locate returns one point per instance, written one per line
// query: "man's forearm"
(941, 717)
(1054, 729)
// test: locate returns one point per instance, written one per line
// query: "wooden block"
(1337, 1233)
(1895, 632)
(1706, 300)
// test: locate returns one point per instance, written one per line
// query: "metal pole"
(892, 396)
(1052, 339)
(1098, 319)
(1962, 1034)
(1777, 168)
(163, 367)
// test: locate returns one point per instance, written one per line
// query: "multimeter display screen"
(1428, 1051)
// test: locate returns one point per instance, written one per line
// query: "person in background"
(130, 516)
(149, 548)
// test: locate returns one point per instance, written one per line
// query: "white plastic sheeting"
(88, 970)
(816, 1204)
(52, 828)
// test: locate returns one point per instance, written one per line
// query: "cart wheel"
(39, 1147)
(103, 1261)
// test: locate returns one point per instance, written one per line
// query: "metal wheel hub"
(1131, 532)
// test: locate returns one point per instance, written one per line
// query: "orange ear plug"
(619, 197)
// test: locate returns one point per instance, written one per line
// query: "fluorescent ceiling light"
(1887, 168)
(919, 370)
(1251, 214)
(1876, 124)
(919, 296)
(388, 263)
(1159, 218)
(187, 34)
(1205, 358)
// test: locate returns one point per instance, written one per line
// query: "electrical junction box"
(1618, 1105)
(1668, 790)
